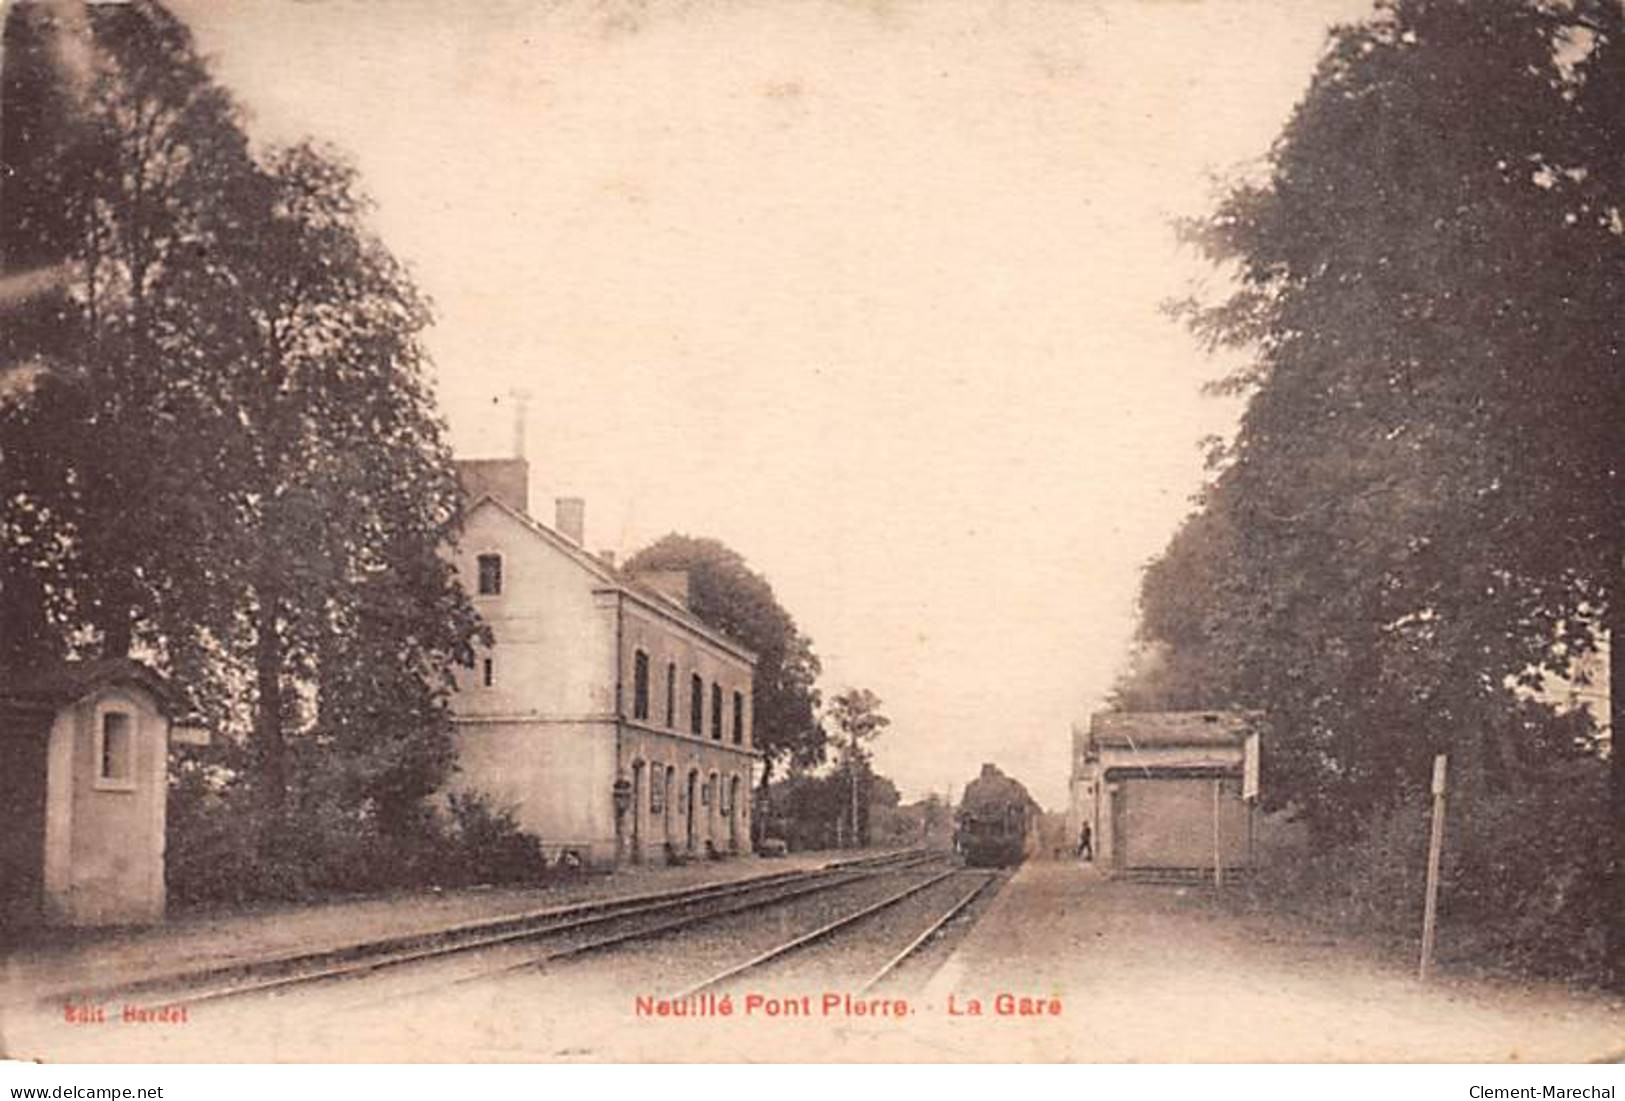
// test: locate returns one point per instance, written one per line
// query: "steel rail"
(802, 883)
(674, 925)
(918, 942)
(808, 938)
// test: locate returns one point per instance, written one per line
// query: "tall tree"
(226, 453)
(727, 594)
(114, 142)
(1421, 510)
(856, 714)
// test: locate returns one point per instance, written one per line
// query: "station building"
(1162, 790)
(614, 722)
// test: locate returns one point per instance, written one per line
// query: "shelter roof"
(58, 683)
(1165, 728)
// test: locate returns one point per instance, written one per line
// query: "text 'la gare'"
(1005, 1005)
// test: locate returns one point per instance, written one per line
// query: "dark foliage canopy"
(1419, 521)
(218, 441)
(727, 594)
(1421, 510)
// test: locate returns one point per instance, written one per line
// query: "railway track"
(910, 950)
(585, 928)
(936, 908)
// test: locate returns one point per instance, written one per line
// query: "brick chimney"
(508, 480)
(671, 584)
(570, 519)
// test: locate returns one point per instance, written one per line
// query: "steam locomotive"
(997, 821)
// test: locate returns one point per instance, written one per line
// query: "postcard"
(629, 531)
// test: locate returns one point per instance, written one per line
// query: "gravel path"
(1167, 974)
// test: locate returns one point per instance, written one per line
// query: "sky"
(869, 291)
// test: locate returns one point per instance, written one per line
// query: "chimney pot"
(521, 408)
(508, 480)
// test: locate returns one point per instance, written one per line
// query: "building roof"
(1137, 729)
(612, 580)
(58, 683)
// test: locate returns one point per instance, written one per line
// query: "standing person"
(1086, 849)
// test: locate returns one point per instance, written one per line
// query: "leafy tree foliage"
(1420, 514)
(727, 594)
(114, 141)
(813, 810)
(220, 447)
(856, 714)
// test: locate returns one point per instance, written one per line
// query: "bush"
(1527, 878)
(332, 845)
(484, 843)
(1522, 882)
(212, 840)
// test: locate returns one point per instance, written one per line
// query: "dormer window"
(490, 575)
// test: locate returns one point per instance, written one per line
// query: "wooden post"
(1252, 861)
(1430, 910)
(1250, 766)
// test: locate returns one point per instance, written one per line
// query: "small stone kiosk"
(84, 764)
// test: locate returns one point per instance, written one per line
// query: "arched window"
(739, 717)
(671, 694)
(716, 711)
(640, 685)
(696, 704)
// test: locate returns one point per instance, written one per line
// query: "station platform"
(1159, 972)
(50, 961)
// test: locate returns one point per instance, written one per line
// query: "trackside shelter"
(1162, 791)
(84, 750)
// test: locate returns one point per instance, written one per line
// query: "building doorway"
(733, 814)
(693, 798)
(666, 812)
(637, 812)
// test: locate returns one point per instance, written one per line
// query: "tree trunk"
(270, 747)
(116, 622)
(852, 778)
(118, 633)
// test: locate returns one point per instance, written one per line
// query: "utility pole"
(852, 777)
